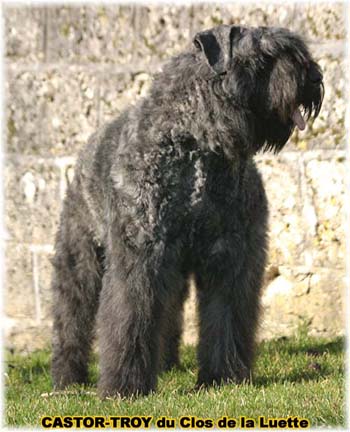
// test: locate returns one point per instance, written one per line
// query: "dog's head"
(267, 72)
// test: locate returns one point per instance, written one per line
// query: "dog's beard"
(277, 131)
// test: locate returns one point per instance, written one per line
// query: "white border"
(27, 3)
(347, 212)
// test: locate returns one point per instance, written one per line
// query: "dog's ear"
(216, 44)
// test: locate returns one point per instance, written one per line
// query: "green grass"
(300, 376)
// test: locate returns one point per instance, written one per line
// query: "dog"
(167, 190)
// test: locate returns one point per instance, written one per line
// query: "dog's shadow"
(300, 363)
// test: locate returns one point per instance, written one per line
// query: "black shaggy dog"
(170, 189)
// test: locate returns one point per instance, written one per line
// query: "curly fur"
(170, 189)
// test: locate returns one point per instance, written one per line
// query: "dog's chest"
(178, 180)
(188, 180)
(166, 193)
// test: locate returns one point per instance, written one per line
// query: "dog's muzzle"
(314, 92)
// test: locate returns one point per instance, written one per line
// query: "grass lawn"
(300, 376)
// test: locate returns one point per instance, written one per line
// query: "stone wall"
(69, 69)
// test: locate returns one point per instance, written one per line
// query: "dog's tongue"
(298, 119)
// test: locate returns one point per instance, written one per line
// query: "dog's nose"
(314, 74)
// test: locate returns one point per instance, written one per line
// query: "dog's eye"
(197, 45)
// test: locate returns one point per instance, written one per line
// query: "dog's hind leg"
(78, 268)
(129, 321)
(136, 288)
(172, 329)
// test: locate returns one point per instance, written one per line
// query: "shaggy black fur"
(170, 189)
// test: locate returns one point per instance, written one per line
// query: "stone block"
(252, 14)
(120, 90)
(26, 336)
(32, 200)
(286, 231)
(162, 31)
(19, 284)
(24, 118)
(91, 34)
(71, 109)
(316, 21)
(320, 20)
(61, 119)
(24, 33)
(308, 297)
(325, 188)
(44, 271)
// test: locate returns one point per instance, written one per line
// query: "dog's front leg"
(228, 300)
(227, 332)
